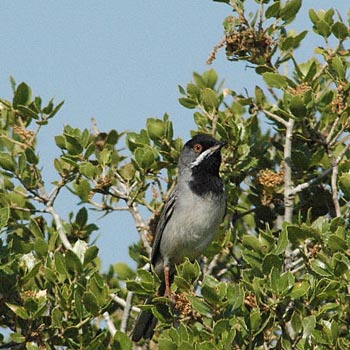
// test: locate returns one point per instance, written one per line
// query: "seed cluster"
(270, 181)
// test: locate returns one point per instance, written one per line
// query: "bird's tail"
(144, 324)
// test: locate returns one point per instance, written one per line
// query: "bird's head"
(202, 153)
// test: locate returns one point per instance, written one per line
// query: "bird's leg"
(168, 292)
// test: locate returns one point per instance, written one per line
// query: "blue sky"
(119, 62)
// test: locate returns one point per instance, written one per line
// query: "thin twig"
(110, 324)
(275, 117)
(309, 183)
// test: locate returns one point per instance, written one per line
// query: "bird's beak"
(218, 146)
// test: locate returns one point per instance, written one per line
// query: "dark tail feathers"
(144, 324)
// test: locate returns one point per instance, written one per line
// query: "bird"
(189, 219)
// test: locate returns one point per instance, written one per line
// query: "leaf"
(41, 247)
(127, 171)
(273, 10)
(23, 95)
(309, 324)
(82, 217)
(90, 303)
(297, 107)
(187, 102)
(344, 183)
(290, 10)
(123, 271)
(299, 290)
(123, 341)
(55, 110)
(20, 311)
(275, 80)
(155, 128)
(4, 216)
(7, 162)
(199, 305)
(80, 247)
(271, 261)
(340, 30)
(335, 243)
(90, 254)
(211, 78)
(73, 262)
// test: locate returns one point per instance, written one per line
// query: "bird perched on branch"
(189, 219)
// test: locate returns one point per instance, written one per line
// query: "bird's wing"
(163, 220)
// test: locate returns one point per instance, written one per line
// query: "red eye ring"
(198, 148)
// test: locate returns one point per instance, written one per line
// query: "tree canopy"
(277, 274)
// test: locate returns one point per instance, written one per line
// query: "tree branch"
(276, 117)
(126, 313)
(120, 301)
(288, 184)
(59, 226)
(110, 324)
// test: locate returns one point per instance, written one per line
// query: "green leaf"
(88, 169)
(23, 95)
(73, 262)
(323, 29)
(199, 305)
(275, 80)
(20, 311)
(55, 110)
(82, 217)
(339, 67)
(4, 216)
(344, 184)
(255, 319)
(145, 157)
(123, 341)
(41, 247)
(123, 271)
(335, 243)
(17, 338)
(313, 16)
(297, 107)
(90, 303)
(167, 344)
(90, 254)
(28, 112)
(309, 324)
(290, 10)
(340, 30)
(188, 102)
(271, 261)
(299, 290)
(273, 10)
(127, 171)
(210, 77)
(82, 189)
(155, 128)
(7, 162)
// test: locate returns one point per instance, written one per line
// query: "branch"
(141, 226)
(126, 313)
(288, 184)
(109, 323)
(309, 183)
(59, 226)
(276, 117)
(120, 301)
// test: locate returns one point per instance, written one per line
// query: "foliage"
(277, 275)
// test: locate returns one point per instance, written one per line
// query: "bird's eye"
(198, 148)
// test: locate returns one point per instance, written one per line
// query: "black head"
(202, 154)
